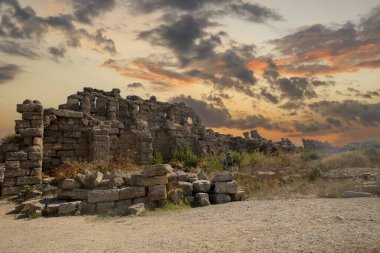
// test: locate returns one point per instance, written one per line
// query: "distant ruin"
(98, 125)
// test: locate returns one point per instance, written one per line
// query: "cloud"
(349, 111)
(296, 88)
(214, 116)
(367, 95)
(8, 72)
(318, 49)
(269, 96)
(334, 122)
(14, 48)
(86, 10)
(135, 85)
(57, 52)
(311, 127)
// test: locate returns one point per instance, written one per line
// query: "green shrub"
(249, 159)
(212, 163)
(183, 153)
(157, 158)
(310, 155)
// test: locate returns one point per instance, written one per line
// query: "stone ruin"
(97, 125)
(317, 145)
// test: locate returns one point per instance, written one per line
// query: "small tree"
(183, 153)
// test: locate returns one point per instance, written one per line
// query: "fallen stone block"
(157, 170)
(139, 180)
(223, 177)
(352, 194)
(226, 187)
(69, 184)
(201, 186)
(187, 188)
(157, 192)
(131, 192)
(90, 179)
(202, 199)
(220, 198)
(96, 196)
(239, 196)
(136, 209)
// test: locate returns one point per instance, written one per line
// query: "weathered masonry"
(98, 125)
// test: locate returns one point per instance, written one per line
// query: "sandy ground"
(300, 225)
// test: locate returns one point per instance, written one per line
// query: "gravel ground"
(297, 225)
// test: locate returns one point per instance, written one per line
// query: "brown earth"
(296, 225)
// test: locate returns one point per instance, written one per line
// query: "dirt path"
(301, 225)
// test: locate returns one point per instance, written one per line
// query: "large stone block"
(68, 114)
(29, 108)
(136, 209)
(139, 180)
(87, 208)
(201, 186)
(157, 170)
(16, 172)
(32, 116)
(132, 192)
(28, 180)
(157, 192)
(226, 187)
(16, 156)
(28, 164)
(220, 198)
(69, 208)
(223, 177)
(12, 164)
(96, 196)
(202, 199)
(187, 188)
(239, 196)
(104, 207)
(69, 184)
(31, 132)
(12, 147)
(12, 190)
(77, 194)
(35, 156)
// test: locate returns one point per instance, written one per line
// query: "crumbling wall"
(23, 160)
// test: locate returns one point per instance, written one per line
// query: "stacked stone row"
(23, 165)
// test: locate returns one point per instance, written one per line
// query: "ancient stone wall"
(23, 165)
(97, 125)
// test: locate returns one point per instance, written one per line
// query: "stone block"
(12, 190)
(16, 156)
(22, 108)
(115, 182)
(32, 116)
(201, 186)
(12, 164)
(31, 132)
(139, 180)
(202, 176)
(172, 176)
(30, 164)
(9, 181)
(139, 200)
(220, 198)
(68, 114)
(35, 156)
(136, 209)
(223, 177)
(157, 170)
(22, 124)
(157, 192)
(96, 196)
(104, 207)
(226, 187)
(89, 179)
(175, 196)
(16, 172)
(69, 208)
(28, 180)
(77, 194)
(239, 196)
(125, 202)
(69, 184)
(202, 199)
(87, 208)
(12, 147)
(132, 192)
(187, 188)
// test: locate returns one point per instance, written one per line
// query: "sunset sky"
(291, 68)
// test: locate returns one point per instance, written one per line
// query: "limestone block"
(220, 198)
(22, 124)
(87, 208)
(202, 199)
(148, 181)
(223, 177)
(68, 114)
(187, 188)
(201, 186)
(96, 196)
(202, 176)
(35, 156)
(68, 208)
(131, 192)
(226, 187)
(30, 164)
(125, 202)
(32, 116)
(104, 207)
(69, 184)
(172, 176)
(157, 170)
(12, 164)
(76, 194)
(139, 200)
(115, 182)
(29, 108)
(12, 190)
(16, 156)
(157, 192)
(31, 132)
(13, 147)
(16, 172)
(176, 196)
(90, 179)
(136, 209)
(28, 180)
(9, 181)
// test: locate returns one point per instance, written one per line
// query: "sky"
(291, 68)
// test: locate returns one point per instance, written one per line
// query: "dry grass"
(70, 169)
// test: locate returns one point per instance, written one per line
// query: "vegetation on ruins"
(157, 158)
(184, 154)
